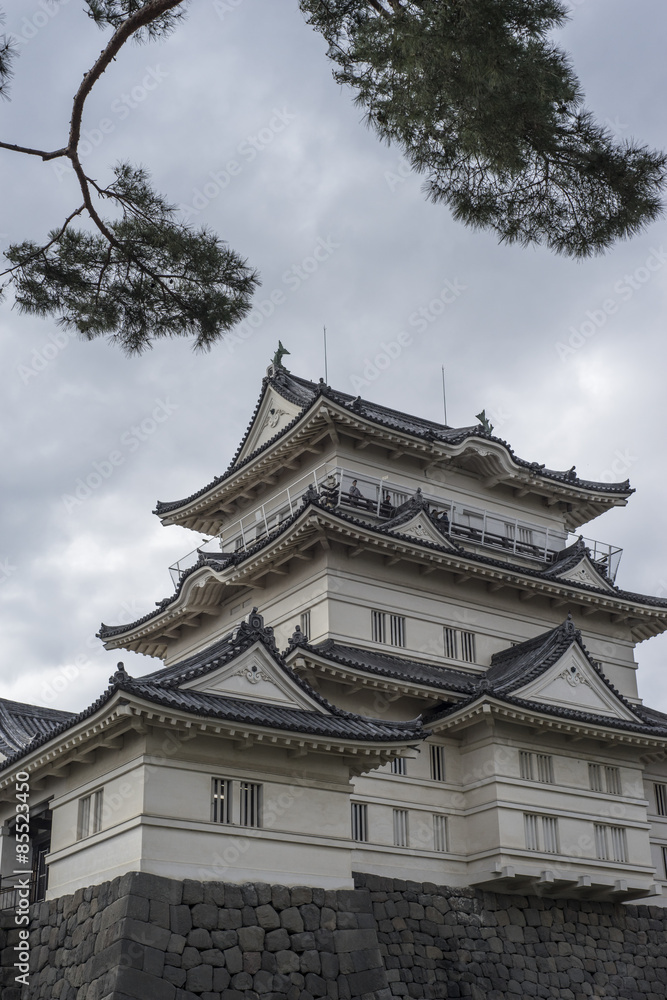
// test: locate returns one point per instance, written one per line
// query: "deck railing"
(9, 898)
(379, 498)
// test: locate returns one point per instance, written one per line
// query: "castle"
(393, 657)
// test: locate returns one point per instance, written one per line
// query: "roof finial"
(120, 675)
(487, 426)
(278, 356)
(297, 638)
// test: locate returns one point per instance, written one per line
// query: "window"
(536, 766)
(360, 822)
(605, 779)
(439, 833)
(377, 626)
(437, 758)
(661, 799)
(221, 800)
(89, 818)
(251, 804)
(399, 765)
(450, 642)
(239, 543)
(305, 623)
(541, 833)
(400, 827)
(664, 860)
(396, 628)
(610, 843)
(468, 646)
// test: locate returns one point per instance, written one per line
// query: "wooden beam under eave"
(558, 602)
(526, 595)
(493, 587)
(361, 444)
(392, 560)
(588, 611)
(461, 577)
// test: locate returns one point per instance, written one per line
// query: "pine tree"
(474, 92)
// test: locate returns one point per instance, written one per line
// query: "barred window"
(468, 646)
(595, 777)
(399, 765)
(661, 799)
(305, 623)
(89, 818)
(526, 765)
(397, 630)
(439, 832)
(250, 795)
(239, 543)
(536, 766)
(610, 843)
(400, 827)
(541, 833)
(437, 760)
(360, 822)
(664, 860)
(450, 642)
(605, 779)
(545, 767)
(378, 630)
(221, 800)
(613, 780)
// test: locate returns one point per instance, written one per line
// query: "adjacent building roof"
(22, 724)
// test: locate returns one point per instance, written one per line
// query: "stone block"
(277, 940)
(287, 962)
(221, 979)
(234, 960)
(180, 919)
(251, 938)
(267, 917)
(151, 887)
(205, 915)
(141, 986)
(200, 938)
(193, 892)
(213, 956)
(224, 939)
(199, 979)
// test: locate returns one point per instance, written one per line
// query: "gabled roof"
(304, 394)
(576, 564)
(20, 724)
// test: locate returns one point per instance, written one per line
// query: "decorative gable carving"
(421, 528)
(273, 416)
(572, 683)
(255, 676)
(585, 572)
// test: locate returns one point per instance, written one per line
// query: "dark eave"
(21, 724)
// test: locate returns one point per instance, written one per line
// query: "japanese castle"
(395, 655)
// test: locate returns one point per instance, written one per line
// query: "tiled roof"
(304, 393)
(20, 724)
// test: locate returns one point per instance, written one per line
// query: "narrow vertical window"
(360, 822)
(531, 832)
(221, 800)
(397, 630)
(399, 765)
(545, 767)
(98, 806)
(595, 777)
(450, 642)
(439, 833)
(601, 847)
(550, 834)
(661, 799)
(305, 624)
(251, 803)
(83, 819)
(400, 827)
(526, 765)
(378, 626)
(613, 780)
(618, 843)
(437, 759)
(664, 860)
(468, 646)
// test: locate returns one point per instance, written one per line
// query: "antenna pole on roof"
(444, 394)
(326, 371)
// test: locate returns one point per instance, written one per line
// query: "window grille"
(239, 543)
(541, 833)
(397, 630)
(526, 765)
(532, 832)
(664, 860)
(305, 624)
(595, 777)
(439, 833)
(661, 799)
(611, 843)
(601, 849)
(437, 758)
(84, 818)
(400, 827)
(360, 822)
(545, 767)
(550, 834)
(251, 804)
(613, 780)
(378, 630)
(221, 800)
(536, 766)
(98, 804)
(450, 642)
(399, 765)
(89, 818)
(468, 646)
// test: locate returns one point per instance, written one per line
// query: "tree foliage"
(475, 93)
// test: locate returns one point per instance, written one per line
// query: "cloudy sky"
(246, 83)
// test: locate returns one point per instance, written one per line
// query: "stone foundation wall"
(147, 938)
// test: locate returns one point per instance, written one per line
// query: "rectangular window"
(305, 623)
(664, 860)
(545, 767)
(531, 830)
(437, 759)
(526, 765)
(397, 630)
(541, 833)
(221, 800)
(239, 544)
(550, 834)
(661, 799)
(618, 843)
(595, 777)
(613, 780)
(89, 818)
(468, 646)
(450, 643)
(400, 827)
(83, 822)
(378, 630)
(439, 833)
(399, 765)
(360, 822)
(98, 805)
(251, 803)
(601, 847)
(536, 766)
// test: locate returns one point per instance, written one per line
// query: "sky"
(241, 124)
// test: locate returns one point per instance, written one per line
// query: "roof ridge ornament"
(297, 638)
(120, 676)
(254, 628)
(487, 426)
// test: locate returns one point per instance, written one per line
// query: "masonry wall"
(142, 937)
